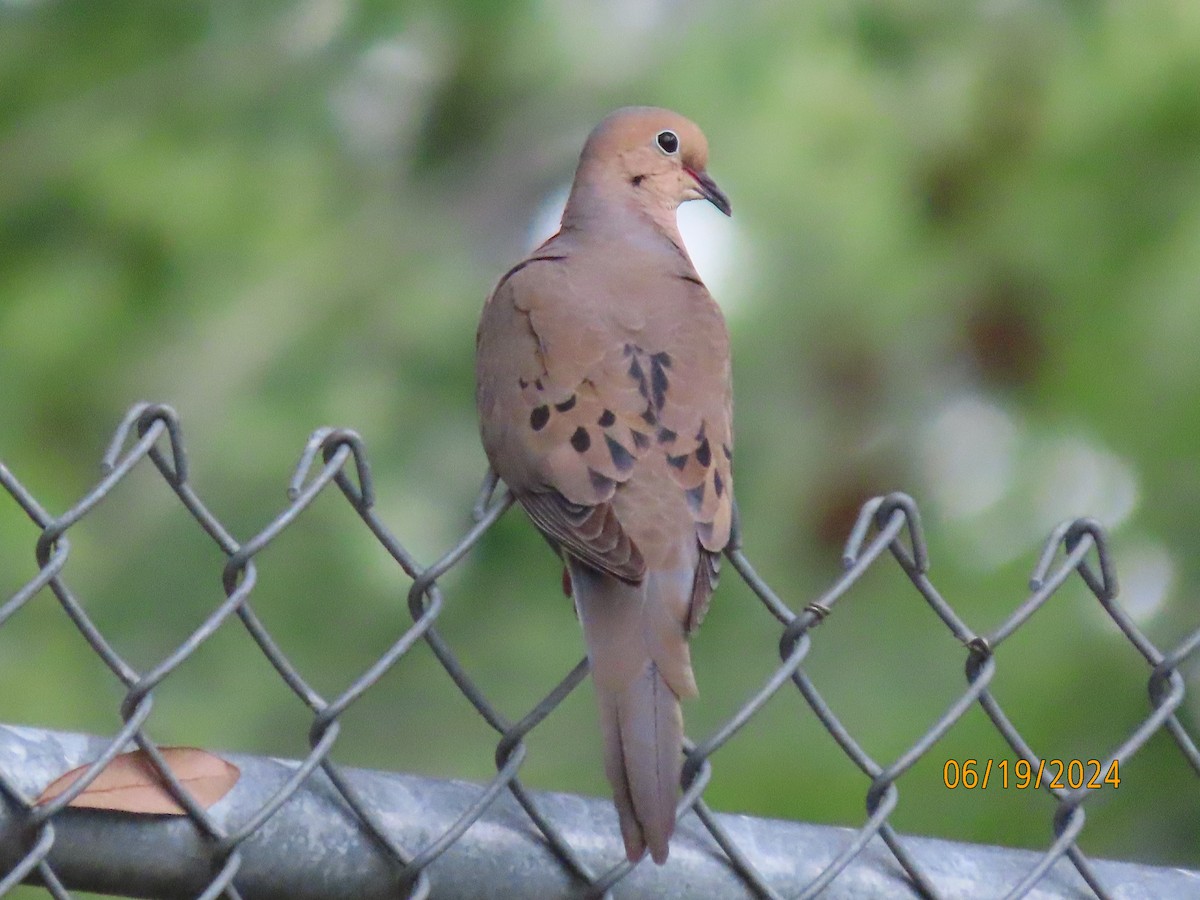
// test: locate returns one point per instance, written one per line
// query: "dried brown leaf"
(131, 783)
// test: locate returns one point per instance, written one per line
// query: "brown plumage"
(604, 398)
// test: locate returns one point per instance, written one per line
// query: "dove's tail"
(641, 668)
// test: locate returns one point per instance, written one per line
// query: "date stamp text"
(1053, 773)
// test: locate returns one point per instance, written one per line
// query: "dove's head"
(650, 158)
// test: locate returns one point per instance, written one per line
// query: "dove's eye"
(668, 142)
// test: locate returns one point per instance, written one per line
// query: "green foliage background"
(963, 264)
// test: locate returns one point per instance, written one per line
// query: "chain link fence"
(314, 828)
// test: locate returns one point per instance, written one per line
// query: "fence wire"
(886, 526)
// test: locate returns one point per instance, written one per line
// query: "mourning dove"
(603, 387)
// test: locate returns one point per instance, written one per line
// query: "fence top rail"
(315, 848)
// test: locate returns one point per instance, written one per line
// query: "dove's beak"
(709, 190)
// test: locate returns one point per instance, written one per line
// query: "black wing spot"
(666, 436)
(663, 359)
(727, 451)
(637, 180)
(522, 383)
(658, 383)
(566, 404)
(718, 483)
(695, 497)
(650, 417)
(538, 384)
(607, 419)
(640, 439)
(581, 440)
(621, 457)
(636, 373)
(678, 461)
(704, 454)
(601, 483)
(539, 417)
